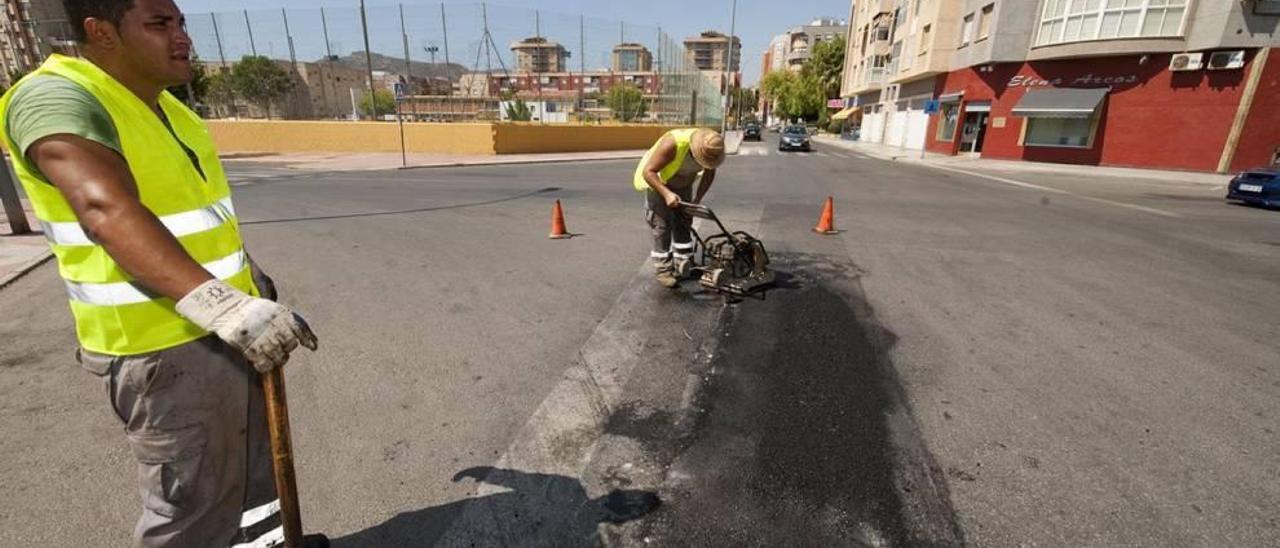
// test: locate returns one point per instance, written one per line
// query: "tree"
(260, 81)
(220, 92)
(626, 102)
(383, 103)
(744, 97)
(826, 64)
(518, 111)
(199, 84)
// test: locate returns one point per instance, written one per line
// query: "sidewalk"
(20, 254)
(345, 161)
(885, 152)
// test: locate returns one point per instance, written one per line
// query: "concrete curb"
(24, 268)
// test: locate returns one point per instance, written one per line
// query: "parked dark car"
(1257, 187)
(794, 138)
(751, 132)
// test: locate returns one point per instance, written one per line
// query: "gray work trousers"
(672, 240)
(195, 419)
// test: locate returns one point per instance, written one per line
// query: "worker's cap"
(707, 147)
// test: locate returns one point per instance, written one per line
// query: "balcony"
(798, 57)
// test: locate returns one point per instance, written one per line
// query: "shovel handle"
(282, 456)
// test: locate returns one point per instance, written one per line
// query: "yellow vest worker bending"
(667, 175)
(130, 194)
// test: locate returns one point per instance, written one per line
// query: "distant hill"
(420, 67)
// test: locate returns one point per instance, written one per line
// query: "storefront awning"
(1060, 103)
(844, 114)
(951, 97)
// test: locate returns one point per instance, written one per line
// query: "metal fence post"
(408, 65)
(12, 204)
(448, 67)
(582, 66)
(368, 61)
(248, 26)
(293, 58)
(218, 36)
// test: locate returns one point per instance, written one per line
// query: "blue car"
(1256, 187)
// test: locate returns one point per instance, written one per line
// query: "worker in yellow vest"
(168, 307)
(667, 174)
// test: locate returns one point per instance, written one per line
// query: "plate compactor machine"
(733, 264)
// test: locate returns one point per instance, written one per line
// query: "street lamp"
(728, 69)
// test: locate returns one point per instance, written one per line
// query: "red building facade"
(1150, 117)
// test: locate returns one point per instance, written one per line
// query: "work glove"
(264, 331)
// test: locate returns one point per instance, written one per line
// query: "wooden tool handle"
(282, 456)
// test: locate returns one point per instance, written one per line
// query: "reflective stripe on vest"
(114, 314)
(682, 138)
(179, 224)
(119, 293)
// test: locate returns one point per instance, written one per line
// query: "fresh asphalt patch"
(802, 431)
(685, 420)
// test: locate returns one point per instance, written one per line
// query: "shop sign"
(1086, 80)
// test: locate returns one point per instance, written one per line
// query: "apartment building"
(896, 51)
(792, 49)
(1175, 84)
(538, 54)
(800, 40)
(30, 30)
(710, 51)
(775, 56)
(631, 57)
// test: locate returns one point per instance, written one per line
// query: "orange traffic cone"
(558, 232)
(827, 223)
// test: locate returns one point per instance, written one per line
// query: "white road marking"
(1021, 184)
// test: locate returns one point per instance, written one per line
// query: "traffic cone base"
(827, 223)
(558, 231)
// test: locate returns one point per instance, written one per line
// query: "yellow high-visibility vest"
(682, 137)
(114, 314)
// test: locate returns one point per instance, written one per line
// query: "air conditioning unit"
(1186, 61)
(1226, 60)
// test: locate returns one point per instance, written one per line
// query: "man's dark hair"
(107, 10)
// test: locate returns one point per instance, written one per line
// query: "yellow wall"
(464, 138)
(526, 138)
(303, 136)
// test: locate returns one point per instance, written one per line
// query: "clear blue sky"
(757, 22)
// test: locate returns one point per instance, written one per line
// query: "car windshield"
(795, 130)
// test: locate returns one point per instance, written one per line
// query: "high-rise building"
(710, 50)
(538, 54)
(1174, 84)
(632, 57)
(29, 31)
(801, 40)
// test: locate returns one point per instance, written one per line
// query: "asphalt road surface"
(1000, 360)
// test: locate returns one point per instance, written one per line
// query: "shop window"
(948, 119)
(1059, 132)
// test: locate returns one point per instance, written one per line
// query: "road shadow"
(539, 510)
(520, 196)
(806, 435)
